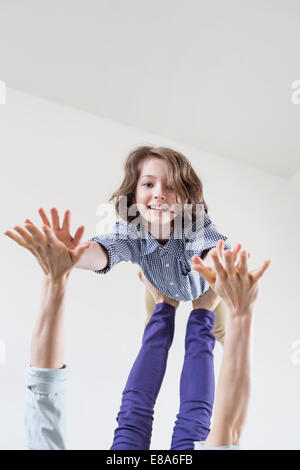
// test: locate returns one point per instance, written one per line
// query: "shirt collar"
(173, 246)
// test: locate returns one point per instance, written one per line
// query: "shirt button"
(167, 265)
(176, 295)
(171, 283)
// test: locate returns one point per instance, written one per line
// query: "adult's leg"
(197, 382)
(220, 312)
(150, 305)
(220, 322)
(136, 413)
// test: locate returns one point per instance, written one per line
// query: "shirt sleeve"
(120, 246)
(198, 445)
(45, 409)
(205, 236)
(212, 235)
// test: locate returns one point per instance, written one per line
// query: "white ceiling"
(213, 74)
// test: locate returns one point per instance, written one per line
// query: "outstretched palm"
(62, 233)
(56, 250)
(234, 283)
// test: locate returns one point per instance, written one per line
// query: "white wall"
(53, 155)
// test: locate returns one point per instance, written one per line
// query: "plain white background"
(53, 155)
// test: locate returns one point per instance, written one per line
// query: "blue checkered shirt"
(167, 267)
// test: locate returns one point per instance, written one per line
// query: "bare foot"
(208, 301)
(158, 296)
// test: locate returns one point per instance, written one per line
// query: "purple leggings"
(197, 384)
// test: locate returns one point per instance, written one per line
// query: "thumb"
(78, 252)
(257, 273)
(206, 272)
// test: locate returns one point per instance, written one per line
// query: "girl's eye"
(147, 185)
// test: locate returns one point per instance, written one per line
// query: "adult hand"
(237, 286)
(54, 257)
(62, 232)
(208, 301)
(158, 296)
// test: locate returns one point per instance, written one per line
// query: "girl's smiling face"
(153, 196)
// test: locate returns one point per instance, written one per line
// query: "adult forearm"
(238, 287)
(47, 346)
(233, 389)
(94, 258)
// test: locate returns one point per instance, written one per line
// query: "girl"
(163, 222)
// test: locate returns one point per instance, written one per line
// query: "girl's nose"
(160, 196)
(159, 193)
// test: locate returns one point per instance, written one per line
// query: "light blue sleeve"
(117, 250)
(203, 235)
(45, 409)
(121, 245)
(198, 445)
(212, 235)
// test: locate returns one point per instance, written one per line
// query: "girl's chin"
(159, 219)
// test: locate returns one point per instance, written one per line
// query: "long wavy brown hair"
(181, 176)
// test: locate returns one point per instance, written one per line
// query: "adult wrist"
(56, 282)
(164, 300)
(241, 313)
(241, 321)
